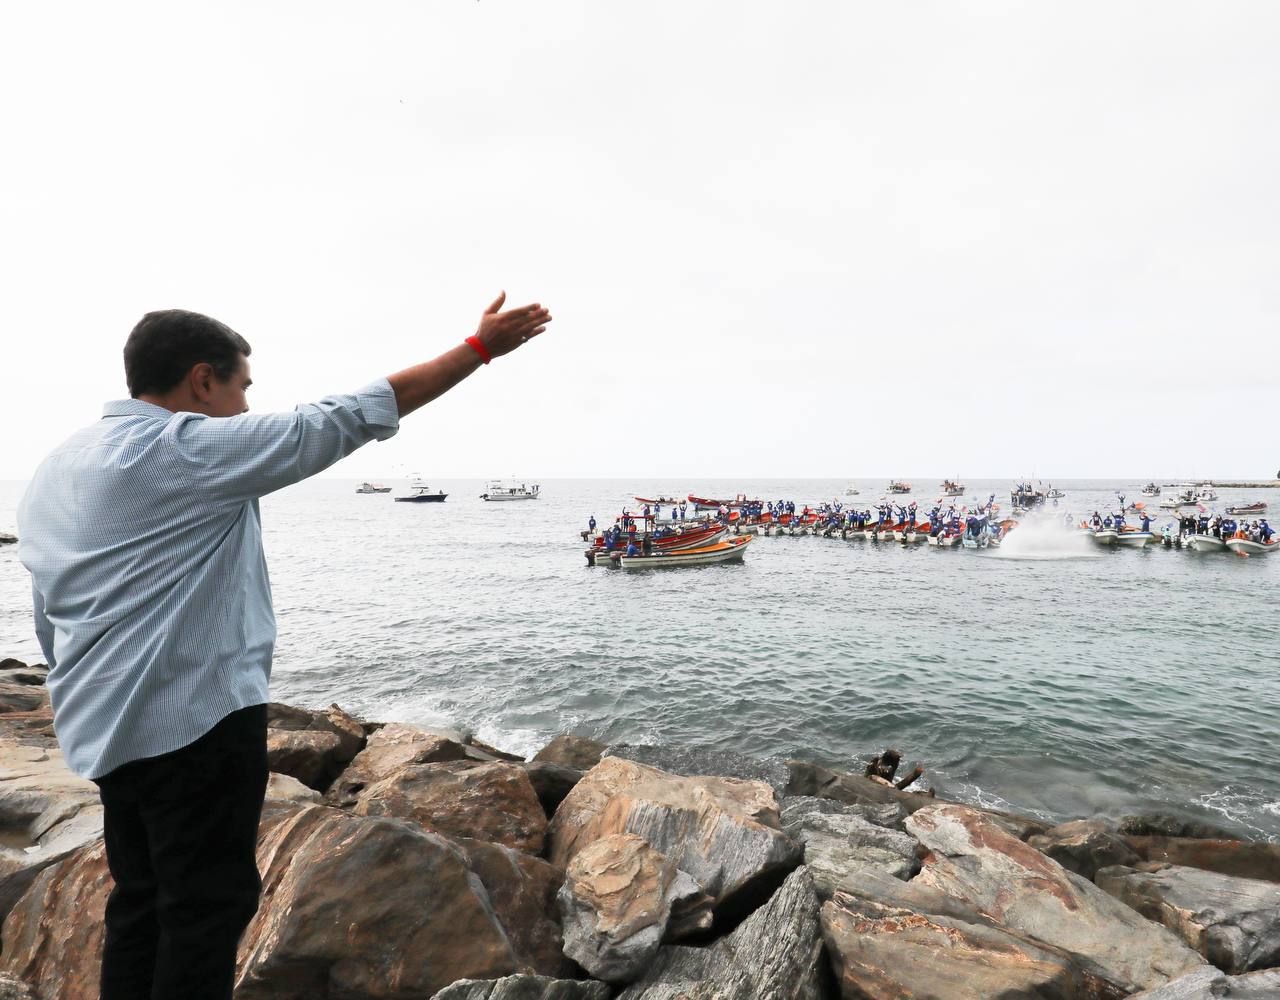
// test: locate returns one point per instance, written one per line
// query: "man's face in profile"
(226, 399)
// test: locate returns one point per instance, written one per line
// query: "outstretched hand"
(502, 332)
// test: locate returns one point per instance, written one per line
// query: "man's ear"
(200, 379)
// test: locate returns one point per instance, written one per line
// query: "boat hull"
(1206, 543)
(1105, 536)
(430, 498)
(1134, 539)
(727, 551)
(1250, 547)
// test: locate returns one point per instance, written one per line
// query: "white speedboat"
(1151, 490)
(1105, 536)
(1134, 539)
(1249, 547)
(898, 486)
(1185, 497)
(1206, 543)
(1205, 492)
(1054, 493)
(729, 550)
(851, 490)
(498, 490)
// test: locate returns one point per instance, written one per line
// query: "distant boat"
(952, 489)
(851, 490)
(373, 488)
(897, 486)
(1247, 509)
(419, 492)
(498, 490)
(1151, 490)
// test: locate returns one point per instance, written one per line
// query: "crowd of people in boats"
(1224, 527)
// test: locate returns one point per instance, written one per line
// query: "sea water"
(1045, 676)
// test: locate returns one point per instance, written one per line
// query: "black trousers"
(181, 832)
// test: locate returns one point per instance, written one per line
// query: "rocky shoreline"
(402, 863)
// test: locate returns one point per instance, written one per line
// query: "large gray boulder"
(795, 807)
(1025, 892)
(48, 811)
(776, 953)
(524, 988)
(724, 832)
(839, 841)
(690, 761)
(1083, 846)
(620, 900)
(1233, 922)
(1213, 984)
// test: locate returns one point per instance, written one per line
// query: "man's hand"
(502, 332)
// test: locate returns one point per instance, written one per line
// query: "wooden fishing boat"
(1248, 547)
(1248, 509)
(729, 550)
(665, 501)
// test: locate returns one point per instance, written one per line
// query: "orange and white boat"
(728, 550)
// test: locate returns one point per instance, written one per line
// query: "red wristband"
(480, 349)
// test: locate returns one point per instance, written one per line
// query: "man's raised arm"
(499, 333)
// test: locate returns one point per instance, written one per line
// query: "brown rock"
(522, 988)
(351, 907)
(568, 750)
(21, 697)
(493, 802)
(523, 890)
(364, 907)
(1226, 857)
(53, 935)
(1083, 846)
(725, 832)
(311, 757)
(493, 752)
(283, 788)
(616, 906)
(390, 748)
(348, 729)
(46, 811)
(887, 953)
(974, 860)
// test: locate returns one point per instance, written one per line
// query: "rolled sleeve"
(248, 456)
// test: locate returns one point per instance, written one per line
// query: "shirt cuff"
(378, 408)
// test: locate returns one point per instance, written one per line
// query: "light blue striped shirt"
(144, 543)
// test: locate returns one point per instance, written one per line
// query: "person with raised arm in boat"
(152, 605)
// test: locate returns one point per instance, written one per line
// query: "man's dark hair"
(165, 345)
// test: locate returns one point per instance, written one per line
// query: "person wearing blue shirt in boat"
(1106, 522)
(591, 524)
(1264, 530)
(1119, 521)
(631, 548)
(1146, 522)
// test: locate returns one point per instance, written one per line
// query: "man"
(143, 538)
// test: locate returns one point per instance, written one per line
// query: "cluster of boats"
(648, 540)
(420, 492)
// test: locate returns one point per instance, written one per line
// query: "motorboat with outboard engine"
(1206, 543)
(1249, 547)
(1248, 509)
(1151, 490)
(419, 492)
(728, 550)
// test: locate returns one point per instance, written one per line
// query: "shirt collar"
(135, 408)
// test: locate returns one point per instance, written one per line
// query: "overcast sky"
(779, 239)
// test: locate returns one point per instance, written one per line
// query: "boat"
(897, 486)
(1055, 493)
(851, 490)
(663, 501)
(1248, 509)
(1133, 537)
(598, 555)
(704, 503)
(1206, 492)
(373, 488)
(729, 550)
(1248, 547)
(1151, 490)
(1206, 543)
(1185, 497)
(1024, 496)
(951, 489)
(419, 492)
(498, 490)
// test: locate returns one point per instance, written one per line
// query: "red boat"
(675, 540)
(665, 501)
(703, 503)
